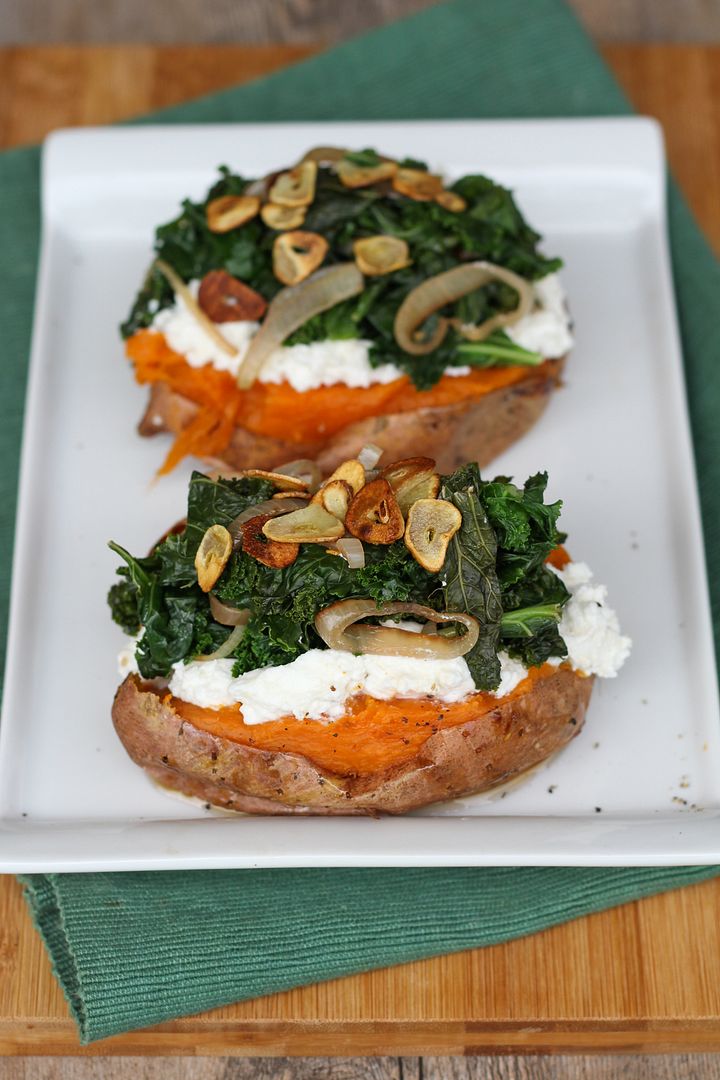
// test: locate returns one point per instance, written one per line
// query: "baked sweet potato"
(503, 741)
(476, 429)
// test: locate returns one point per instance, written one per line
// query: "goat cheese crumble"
(590, 628)
(547, 330)
(319, 684)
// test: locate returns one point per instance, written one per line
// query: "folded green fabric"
(134, 949)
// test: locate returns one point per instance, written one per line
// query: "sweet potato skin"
(470, 758)
(478, 429)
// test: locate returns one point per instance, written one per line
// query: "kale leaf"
(123, 599)
(168, 601)
(285, 602)
(525, 525)
(494, 570)
(532, 595)
(531, 634)
(210, 502)
(471, 583)
(168, 616)
(491, 228)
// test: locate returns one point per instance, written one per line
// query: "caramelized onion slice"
(292, 307)
(228, 646)
(180, 289)
(352, 551)
(370, 455)
(340, 628)
(448, 287)
(227, 615)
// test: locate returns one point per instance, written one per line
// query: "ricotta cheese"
(126, 662)
(590, 628)
(185, 335)
(327, 363)
(512, 673)
(546, 330)
(318, 684)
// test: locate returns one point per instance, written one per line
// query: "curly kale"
(123, 599)
(490, 228)
(495, 570)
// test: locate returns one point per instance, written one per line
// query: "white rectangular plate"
(640, 786)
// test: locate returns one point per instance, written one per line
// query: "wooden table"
(642, 977)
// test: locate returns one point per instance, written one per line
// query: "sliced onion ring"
(335, 625)
(228, 646)
(180, 289)
(227, 615)
(352, 551)
(269, 506)
(292, 307)
(448, 287)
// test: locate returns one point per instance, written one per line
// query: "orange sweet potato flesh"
(373, 735)
(212, 418)
(559, 558)
(382, 757)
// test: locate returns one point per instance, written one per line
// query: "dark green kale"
(285, 602)
(495, 570)
(531, 634)
(169, 603)
(210, 502)
(471, 582)
(497, 350)
(160, 592)
(491, 228)
(123, 599)
(533, 609)
(413, 163)
(532, 595)
(525, 525)
(167, 615)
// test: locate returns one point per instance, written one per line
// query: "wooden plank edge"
(435, 1038)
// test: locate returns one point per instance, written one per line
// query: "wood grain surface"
(579, 1067)
(645, 976)
(43, 88)
(297, 21)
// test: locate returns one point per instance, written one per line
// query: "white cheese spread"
(512, 673)
(347, 362)
(319, 684)
(547, 330)
(126, 662)
(590, 628)
(185, 335)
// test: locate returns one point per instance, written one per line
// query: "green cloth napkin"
(134, 949)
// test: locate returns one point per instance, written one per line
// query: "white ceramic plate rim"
(633, 145)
